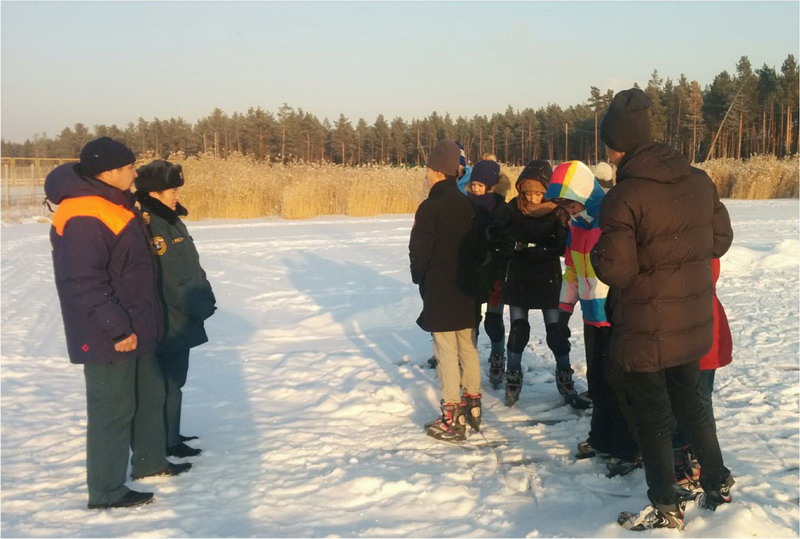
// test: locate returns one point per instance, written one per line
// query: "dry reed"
(241, 187)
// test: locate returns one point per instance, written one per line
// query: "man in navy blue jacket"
(106, 280)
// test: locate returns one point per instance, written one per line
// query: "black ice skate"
(451, 426)
(513, 387)
(617, 466)
(713, 498)
(654, 516)
(565, 385)
(581, 401)
(497, 367)
(687, 469)
(472, 410)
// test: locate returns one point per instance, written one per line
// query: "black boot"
(513, 387)
(131, 498)
(472, 410)
(170, 469)
(655, 515)
(182, 451)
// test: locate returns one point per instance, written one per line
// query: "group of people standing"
(133, 300)
(642, 260)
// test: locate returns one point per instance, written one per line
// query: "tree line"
(739, 114)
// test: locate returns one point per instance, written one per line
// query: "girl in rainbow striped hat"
(612, 431)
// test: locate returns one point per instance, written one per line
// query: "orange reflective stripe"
(114, 216)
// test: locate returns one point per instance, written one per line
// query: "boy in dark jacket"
(186, 295)
(444, 254)
(661, 225)
(106, 281)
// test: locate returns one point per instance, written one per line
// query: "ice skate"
(713, 498)
(513, 387)
(473, 411)
(654, 516)
(617, 466)
(451, 426)
(497, 369)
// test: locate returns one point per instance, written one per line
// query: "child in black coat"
(538, 230)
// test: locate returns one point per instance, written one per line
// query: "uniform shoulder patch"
(159, 245)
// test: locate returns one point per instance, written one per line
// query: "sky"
(112, 62)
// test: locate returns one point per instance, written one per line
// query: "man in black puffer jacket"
(445, 255)
(661, 225)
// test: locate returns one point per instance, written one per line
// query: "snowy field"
(309, 401)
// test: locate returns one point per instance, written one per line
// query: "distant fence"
(23, 179)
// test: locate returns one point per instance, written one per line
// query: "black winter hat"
(104, 154)
(539, 170)
(626, 125)
(159, 175)
(486, 172)
(444, 158)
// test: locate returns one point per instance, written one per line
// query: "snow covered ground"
(310, 398)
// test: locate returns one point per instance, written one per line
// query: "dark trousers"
(174, 366)
(613, 430)
(656, 396)
(705, 388)
(124, 406)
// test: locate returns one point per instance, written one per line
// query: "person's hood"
(65, 181)
(656, 162)
(575, 181)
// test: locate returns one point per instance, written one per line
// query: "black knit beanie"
(539, 170)
(444, 158)
(158, 176)
(104, 154)
(486, 172)
(626, 125)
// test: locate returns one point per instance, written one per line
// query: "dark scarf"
(486, 201)
(155, 206)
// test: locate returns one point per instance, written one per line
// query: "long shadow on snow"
(216, 408)
(372, 310)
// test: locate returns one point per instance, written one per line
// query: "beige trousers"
(457, 363)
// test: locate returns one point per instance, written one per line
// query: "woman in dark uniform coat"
(186, 295)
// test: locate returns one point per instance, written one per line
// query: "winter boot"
(617, 466)
(182, 451)
(712, 498)
(687, 475)
(473, 410)
(497, 368)
(565, 385)
(451, 426)
(513, 387)
(653, 516)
